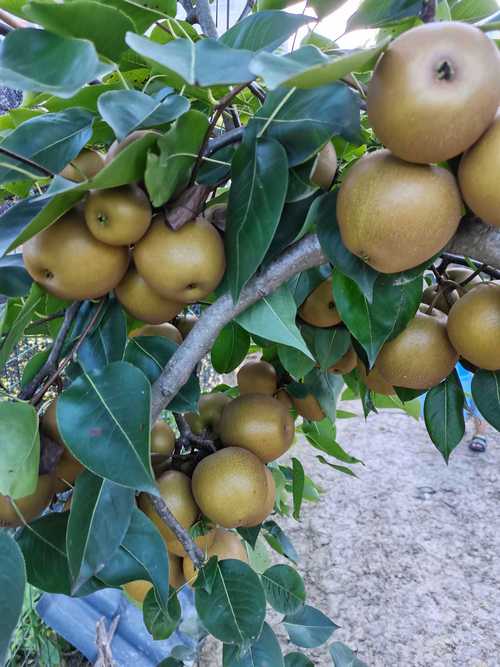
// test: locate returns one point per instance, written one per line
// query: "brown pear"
(230, 486)
(258, 423)
(395, 215)
(165, 330)
(84, 166)
(268, 505)
(67, 468)
(375, 381)
(434, 91)
(227, 545)
(319, 307)
(460, 274)
(421, 356)
(257, 377)
(284, 398)
(346, 363)
(210, 408)
(29, 506)
(118, 146)
(183, 265)
(118, 216)
(162, 439)
(142, 302)
(137, 590)
(324, 167)
(70, 263)
(474, 326)
(48, 423)
(309, 408)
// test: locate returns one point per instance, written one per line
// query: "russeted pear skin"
(142, 302)
(395, 215)
(434, 91)
(230, 486)
(118, 146)
(421, 356)
(175, 489)
(257, 377)
(162, 439)
(165, 330)
(319, 307)
(268, 505)
(67, 468)
(474, 326)
(324, 167)
(460, 274)
(346, 363)
(183, 265)
(118, 216)
(309, 408)
(284, 398)
(478, 175)
(30, 506)
(86, 165)
(258, 423)
(70, 263)
(375, 381)
(227, 545)
(210, 408)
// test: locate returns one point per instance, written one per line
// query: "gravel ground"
(405, 558)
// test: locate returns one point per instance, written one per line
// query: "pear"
(142, 302)
(269, 501)
(308, 407)
(137, 590)
(29, 506)
(460, 274)
(346, 363)
(227, 545)
(118, 146)
(442, 301)
(284, 398)
(319, 307)
(165, 330)
(375, 381)
(162, 439)
(68, 468)
(324, 167)
(86, 165)
(257, 377)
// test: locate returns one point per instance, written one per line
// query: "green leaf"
(259, 180)
(51, 140)
(250, 535)
(92, 538)
(263, 30)
(144, 12)
(171, 662)
(170, 172)
(234, 612)
(20, 323)
(279, 541)
(296, 659)
(321, 435)
(106, 430)
(264, 652)
(328, 345)
(14, 279)
(325, 7)
(295, 362)
(86, 20)
(160, 621)
(304, 120)
(444, 414)
(273, 318)
(211, 173)
(377, 13)
(412, 408)
(343, 656)
(325, 386)
(309, 627)
(284, 588)
(12, 585)
(486, 395)
(473, 10)
(107, 342)
(230, 348)
(142, 555)
(151, 354)
(129, 110)
(38, 60)
(20, 449)
(298, 481)
(396, 298)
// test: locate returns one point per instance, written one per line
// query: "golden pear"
(230, 486)
(84, 166)
(70, 263)
(258, 423)
(324, 167)
(118, 216)
(137, 590)
(165, 330)
(434, 91)
(183, 265)
(48, 423)
(29, 506)
(142, 302)
(375, 381)
(309, 408)
(421, 356)
(227, 545)
(319, 307)
(396, 215)
(284, 398)
(268, 506)
(162, 439)
(459, 274)
(474, 326)
(68, 468)
(442, 301)
(257, 377)
(346, 363)
(117, 146)
(210, 408)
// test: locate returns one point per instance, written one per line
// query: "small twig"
(232, 137)
(257, 91)
(188, 437)
(12, 21)
(451, 258)
(187, 206)
(25, 160)
(204, 19)
(104, 639)
(5, 28)
(474, 274)
(428, 11)
(249, 5)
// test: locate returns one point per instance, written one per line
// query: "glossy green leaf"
(144, 12)
(160, 621)
(325, 7)
(84, 19)
(284, 588)
(486, 394)
(473, 10)
(279, 541)
(38, 60)
(107, 342)
(106, 430)
(343, 656)
(296, 659)
(12, 585)
(273, 318)
(23, 318)
(129, 110)
(298, 481)
(259, 180)
(377, 13)
(234, 611)
(218, 168)
(295, 362)
(411, 407)
(142, 555)
(51, 140)
(265, 652)
(230, 348)
(309, 627)
(328, 345)
(250, 535)
(322, 436)
(14, 279)
(33, 366)
(92, 538)
(151, 354)
(170, 171)
(263, 30)
(396, 298)
(171, 662)
(299, 183)
(304, 120)
(20, 449)
(444, 414)
(325, 386)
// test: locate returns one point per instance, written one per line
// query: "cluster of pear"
(88, 251)
(434, 95)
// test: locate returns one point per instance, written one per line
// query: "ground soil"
(406, 559)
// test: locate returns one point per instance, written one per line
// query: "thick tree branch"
(478, 241)
(188, 438)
